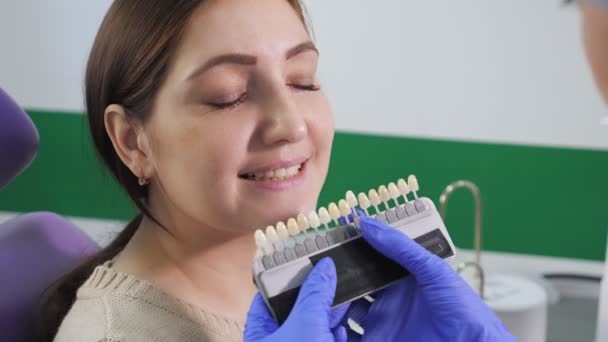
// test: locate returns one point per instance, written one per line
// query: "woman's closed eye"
(243, 97)
(228, 104)
(306, 87)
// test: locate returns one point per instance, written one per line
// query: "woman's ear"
(129, 141)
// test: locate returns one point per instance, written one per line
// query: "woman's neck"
(213, 273)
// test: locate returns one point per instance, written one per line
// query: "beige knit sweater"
(113, 306)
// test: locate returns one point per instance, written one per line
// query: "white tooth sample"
(284, 235)
(404, 189)
(269, 174)
(412, 181)
(364, 202)
(282, 231)
(262, 242)
(334, 212)
(324, 217)
(271, 234)
(260, 238)
(344, 208)
(384, 196)
(280, 173)
(302, 222)
(374, 199)
(292, 227)
(351, 199)
(313, 220)
(393, 190)
(273, 238)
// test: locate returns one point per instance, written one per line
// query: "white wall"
(44, 47)
(508, 70)
(493, 71)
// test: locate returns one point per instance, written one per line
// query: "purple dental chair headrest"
(18, 139)
(36, 248)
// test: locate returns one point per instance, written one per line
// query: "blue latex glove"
(432, 304)
(311, 318)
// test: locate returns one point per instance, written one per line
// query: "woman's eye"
(229, 104)
(306, 87)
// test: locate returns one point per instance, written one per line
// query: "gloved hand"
(432, 304)
(311, 318)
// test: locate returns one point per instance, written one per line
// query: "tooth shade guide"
(313, 220)
(271, 234)
(324, 217)
(412, 182)
(292, 227)
(404, 189)
(334, 213)
(363, 202)
(384, 196)
(394, 193)
(351, 199)
(374, 199)
(302, 222)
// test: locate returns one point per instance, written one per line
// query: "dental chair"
(37, 248)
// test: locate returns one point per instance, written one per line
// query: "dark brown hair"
(127, 65)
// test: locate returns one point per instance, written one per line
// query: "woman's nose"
(283, 121)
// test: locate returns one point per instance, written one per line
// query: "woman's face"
(240, 135)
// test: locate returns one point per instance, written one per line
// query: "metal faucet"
(443, 202)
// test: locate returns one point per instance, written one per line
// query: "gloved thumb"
(397, 246)
(316, 295)
(259, 322)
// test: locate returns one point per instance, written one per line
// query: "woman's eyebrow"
(244, 59)
(300, 48)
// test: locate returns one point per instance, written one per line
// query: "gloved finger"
(340, 334)
(259, 322)
(337, 315)
(317, 292)
(395, 245)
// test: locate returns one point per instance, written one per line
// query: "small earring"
(142, 181)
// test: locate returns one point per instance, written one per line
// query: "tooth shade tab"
(262, 243)
(334, 212)
(393, 190)
(412, 182)
(280, 226)
(260, 238)
(344, 208)
(403, 187)
(303, 222)
(384, 195)
(282, 231)
(313, 220)
(292, 227)
(271, 234)
(364, 202)
(324, 216)
(374, 198)
(351, 199)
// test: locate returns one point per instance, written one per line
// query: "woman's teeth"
(276, 175)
